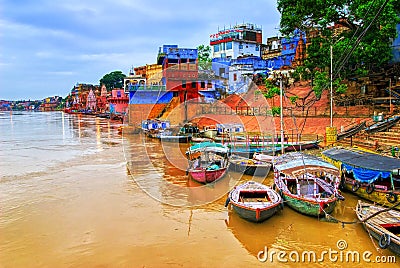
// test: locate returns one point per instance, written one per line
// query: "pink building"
(118, 102)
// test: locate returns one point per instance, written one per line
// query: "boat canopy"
(208, 146)
(296, 164)
(365, 166)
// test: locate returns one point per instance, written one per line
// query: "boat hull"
(301, 147)
(308, 207)
(261, 170)
(380, 197)
(254, 201)
(207, 176)
(394, 245)
(378, 226)
(381, 126)
(350, 132)
(255, 215)
(176, 139)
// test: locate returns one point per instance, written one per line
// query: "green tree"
(113, 80)
(272, 90)
(322, 81)
(369, 26)
(204, 57)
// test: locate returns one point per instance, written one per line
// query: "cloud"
(47, 44)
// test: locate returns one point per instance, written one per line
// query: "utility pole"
(281, 110)
(390, 96)
(331, 85)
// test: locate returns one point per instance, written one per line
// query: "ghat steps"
(380, 141)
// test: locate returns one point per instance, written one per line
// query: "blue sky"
(48, 46)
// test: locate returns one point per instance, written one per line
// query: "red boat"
(208, 161)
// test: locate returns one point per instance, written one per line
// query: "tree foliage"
(322, 81)
(204, 57)
(272, 90)
(364, 44)
(113, 80)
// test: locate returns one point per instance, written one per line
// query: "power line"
(354, 35)
(360, 37)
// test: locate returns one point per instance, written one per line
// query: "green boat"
(306, 183)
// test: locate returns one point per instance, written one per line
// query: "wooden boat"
(209, 132)
(183, 135)
(351, 131)
(227, 132)
(384, 227)
(200, 139)
(306, 183)
(248, 150)
(189, 129)
(152, 128)
(263, 157)
(208, 161)
(383, 125)
(168, 136)
(249, 166)
(369, 175)
(302, 145)
(254, 201)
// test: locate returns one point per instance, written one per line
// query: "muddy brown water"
(127, 202)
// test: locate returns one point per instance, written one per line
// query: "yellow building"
(153, 74)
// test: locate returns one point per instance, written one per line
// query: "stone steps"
(380, 141)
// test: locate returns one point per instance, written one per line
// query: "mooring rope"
(330, 217)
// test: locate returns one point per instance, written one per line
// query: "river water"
(76, 193)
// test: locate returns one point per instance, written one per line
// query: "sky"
(48, 46)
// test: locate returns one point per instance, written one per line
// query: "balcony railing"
(147, 87)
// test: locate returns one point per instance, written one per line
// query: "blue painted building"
(396, 46)
(239, 69)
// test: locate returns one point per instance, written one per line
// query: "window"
(216, 48)
(240, 46)
(202, 84)
(183, 83)
(193, 84)
(234, 77)
(257, 48)
(228, 45)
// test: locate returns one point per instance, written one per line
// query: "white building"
(241, 40)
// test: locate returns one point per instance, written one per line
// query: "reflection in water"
(290, 231)
(160, 169)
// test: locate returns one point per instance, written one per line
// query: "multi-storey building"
(241, 40)
(179, 71)
(118, 102)
(272, 48)
(154, 74)
(140, 71)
